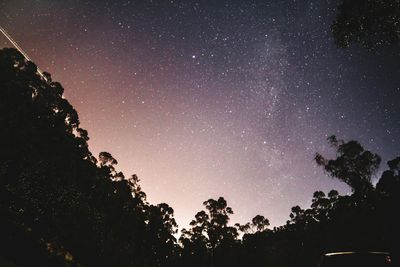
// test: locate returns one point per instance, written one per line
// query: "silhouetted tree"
(210, 234)
(162, 226)
(258, 224)
(373, 23)
(389, 202)
(62, 206)
(354, 165)
(389, 183)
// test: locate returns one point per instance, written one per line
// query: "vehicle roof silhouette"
(356, 258)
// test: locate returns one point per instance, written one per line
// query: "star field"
(214, 98)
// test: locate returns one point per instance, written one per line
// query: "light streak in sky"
(15, 44)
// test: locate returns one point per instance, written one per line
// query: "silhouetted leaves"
(373, 23)
(60, 206)
(353, 164)
(63, 204)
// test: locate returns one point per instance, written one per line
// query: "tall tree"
(353, 164)
(210, 231)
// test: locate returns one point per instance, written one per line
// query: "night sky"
(203, 99)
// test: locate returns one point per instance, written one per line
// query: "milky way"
(214, 98)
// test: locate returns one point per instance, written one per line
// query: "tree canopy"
(62, 206)
(372, 23)
(354, 165)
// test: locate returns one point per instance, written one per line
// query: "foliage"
(354, 165)
(373, 23)
(61, 206)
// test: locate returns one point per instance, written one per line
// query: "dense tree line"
(61, 206)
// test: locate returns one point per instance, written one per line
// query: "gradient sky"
(204, 99)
